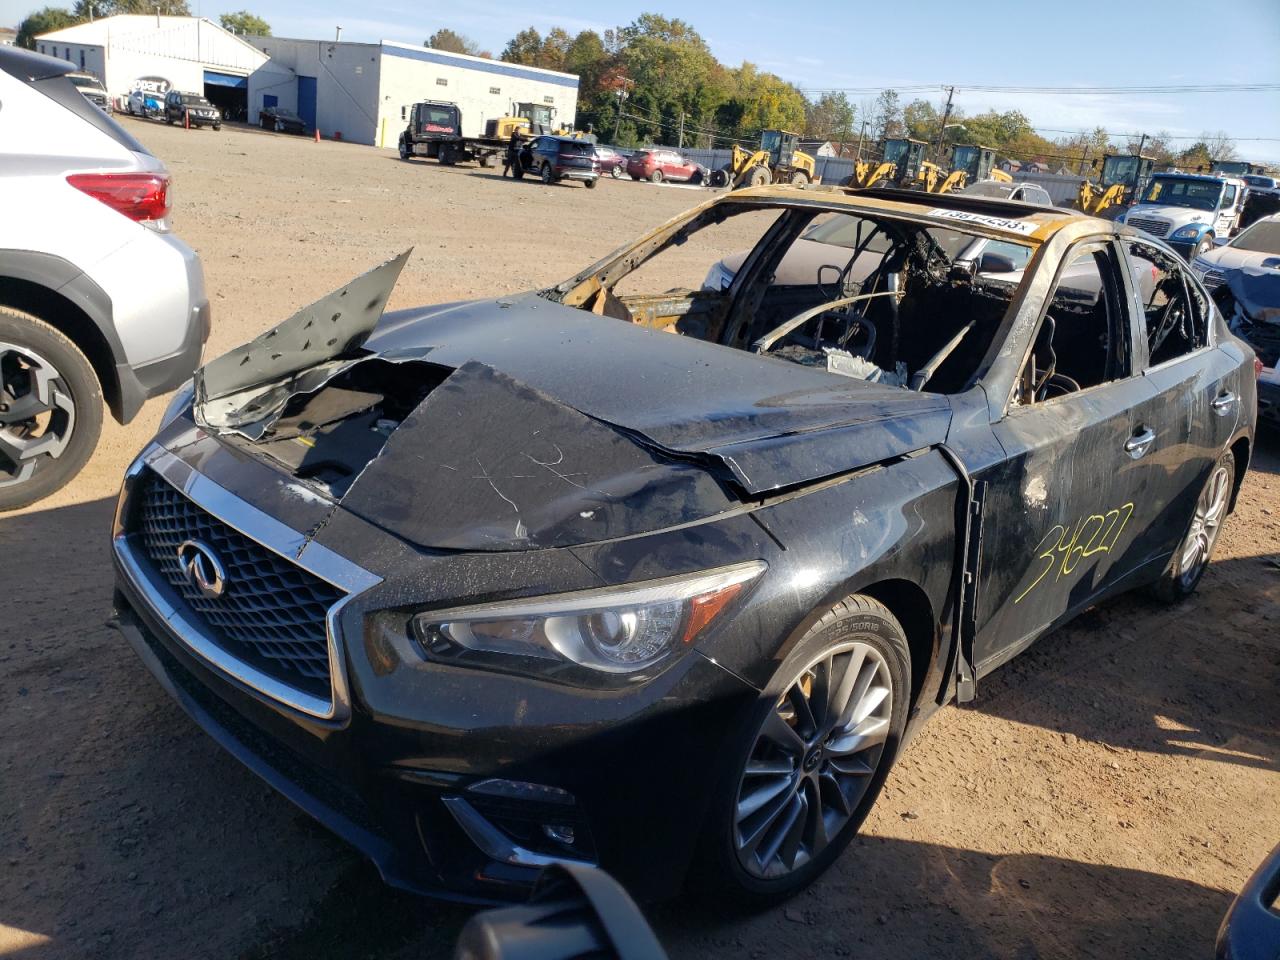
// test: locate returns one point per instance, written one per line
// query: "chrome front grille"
(1157, 228)
(1213, 278)
(271, 614)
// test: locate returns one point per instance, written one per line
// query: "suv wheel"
(50, 409)
(547, 175)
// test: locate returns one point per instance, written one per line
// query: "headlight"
(1199, 267)
(616, 630)
(1189, 232)
(178, 404)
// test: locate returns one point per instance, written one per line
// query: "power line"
(1064, 91)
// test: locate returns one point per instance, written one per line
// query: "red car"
(658, 164)
(612, 163)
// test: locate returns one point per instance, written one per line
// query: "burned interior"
(900, 302)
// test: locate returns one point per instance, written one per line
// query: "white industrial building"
(162, 53)
(358, 90)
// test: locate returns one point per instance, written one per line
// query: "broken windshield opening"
(866, 296)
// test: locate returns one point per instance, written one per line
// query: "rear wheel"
(655, 177)
(617, 173)
(591, 184)
(696, 179)
(1191, 558)
(813, 755)
(50, 409)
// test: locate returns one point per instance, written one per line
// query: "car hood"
(554, 427)
(1178, 216)
(1232, 258)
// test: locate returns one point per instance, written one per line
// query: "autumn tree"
(451, 41)
(830, 117)
(524, 48)
(245, 23)
(887, 120)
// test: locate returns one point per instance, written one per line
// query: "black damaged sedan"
(658, 570)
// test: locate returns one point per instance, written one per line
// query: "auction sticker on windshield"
(1000, 223)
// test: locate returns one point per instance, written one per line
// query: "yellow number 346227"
(1063, 548)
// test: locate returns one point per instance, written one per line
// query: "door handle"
(1137, 445)
(1223, 404)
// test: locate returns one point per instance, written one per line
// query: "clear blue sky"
(862, 43)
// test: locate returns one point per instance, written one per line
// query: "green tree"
(830, 117)
(167, 8)
(887, 121)
(452, 42)
(245, 23)
(43, 21)
(555, 50)
(525, 48)
(921, 120)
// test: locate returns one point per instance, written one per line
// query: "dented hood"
(552, 427)
(768, 423)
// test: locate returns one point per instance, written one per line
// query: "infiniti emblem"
(202, 568)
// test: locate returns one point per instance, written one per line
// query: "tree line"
(656, 81)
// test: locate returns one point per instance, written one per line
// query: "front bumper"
(395, 775)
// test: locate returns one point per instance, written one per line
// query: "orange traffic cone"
(317, 134)
(186, 119)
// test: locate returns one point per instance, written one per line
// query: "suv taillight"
(139, 196)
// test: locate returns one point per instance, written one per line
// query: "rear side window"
(1175, 311)
(46, 77)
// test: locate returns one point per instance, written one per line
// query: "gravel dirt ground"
(1105, 796)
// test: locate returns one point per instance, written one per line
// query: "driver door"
(1064, 513)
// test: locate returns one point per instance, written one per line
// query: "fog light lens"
(559, 832)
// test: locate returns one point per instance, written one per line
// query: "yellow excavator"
(1121, 173)
(904, 166)
(779, 160)
(975, 163)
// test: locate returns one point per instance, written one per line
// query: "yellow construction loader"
(904, 166)
(779, 160)
(975, 163)
(1122, 178)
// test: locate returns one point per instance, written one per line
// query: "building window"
(548, 99)
(441, 82)
(495, 90)
(66, 55)
(82, 59)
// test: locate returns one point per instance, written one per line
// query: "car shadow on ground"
(1141, 675)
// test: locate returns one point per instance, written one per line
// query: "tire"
(757, 177)
(404, 150)
(720, 178)
(217, 126)
(655, 177)
(800, 178)
(591, 184)
(1195, 549)
(617, 173)
(696, 179)
(486, 160)
(1204, 246)
(42, 454)
(858, 634)
(447, 155)
(547, 176)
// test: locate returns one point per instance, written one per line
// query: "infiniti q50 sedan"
(637, 573)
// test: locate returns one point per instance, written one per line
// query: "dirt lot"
(1108, 792)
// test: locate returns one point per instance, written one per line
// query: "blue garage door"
(307, 100)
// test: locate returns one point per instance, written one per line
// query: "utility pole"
(338, 37)
(680, 145)
(942, 130)
(861, 134)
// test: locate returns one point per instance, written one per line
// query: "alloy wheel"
(1206, 524)
(813, 760)
(37, 415)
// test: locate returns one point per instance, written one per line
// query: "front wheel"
(1203, 247)
(590, 184)
(812, 755)
(1191, 558)
(50, 409)
(617, 173)
(547, 176)
(800, 178)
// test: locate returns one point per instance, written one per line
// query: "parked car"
(91, 89)
(86, 215)
(191, 109)
(658, 165)
(1190, 211)
(1251, 928)
(659, 578)
(1260, 183)
(1258, 245)
(612, 162)
(559, 158)
(1002, 190)
(144, 103)
(281, 120)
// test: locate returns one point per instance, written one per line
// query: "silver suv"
(98, 300)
